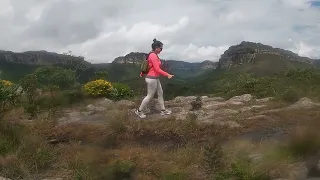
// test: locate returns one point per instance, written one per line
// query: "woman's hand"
(170, 76)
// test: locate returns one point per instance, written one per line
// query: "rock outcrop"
(138, 57)
(39, 58)
(246, 52)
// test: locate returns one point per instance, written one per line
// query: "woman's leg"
(164, 111)
(152, 88)
(160, 95)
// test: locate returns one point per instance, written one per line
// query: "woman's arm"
(156, 64)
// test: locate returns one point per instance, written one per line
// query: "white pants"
(154, 86)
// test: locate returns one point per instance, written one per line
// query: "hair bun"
(154, 40)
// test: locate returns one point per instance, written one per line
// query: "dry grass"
(153, 150)
(161, 149)
(263, 158)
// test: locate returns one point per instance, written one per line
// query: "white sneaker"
(140, 114)
(165, 112)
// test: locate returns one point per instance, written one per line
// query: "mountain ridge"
(40, 57)
(246, 52)
(235, 55)
(244, 57)
(138, 57)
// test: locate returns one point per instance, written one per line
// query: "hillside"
(262, 57)
(137, 58)
(317, 63)
(252, 58)
(249, 57)
(15, 65)
(39, 58)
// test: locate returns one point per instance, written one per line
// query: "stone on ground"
(242, 98)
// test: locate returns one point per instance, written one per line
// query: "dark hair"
(156, 44)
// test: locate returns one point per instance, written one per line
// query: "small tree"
(29, 86)
(53, 78)
(78, 63)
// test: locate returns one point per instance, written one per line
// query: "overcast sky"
(191, 30)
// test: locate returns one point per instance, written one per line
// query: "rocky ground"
(239, 112)
(254, 119)
(245, 113)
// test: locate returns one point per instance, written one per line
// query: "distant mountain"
(261, 59)
(138, 57)
(39, 58)
(179, 68)
(247, 52)
(249, 57)
(15, 65)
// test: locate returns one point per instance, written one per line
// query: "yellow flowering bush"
(6, 83)
(98, 88)
(8, 95)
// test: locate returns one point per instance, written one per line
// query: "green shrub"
(289, 95)
(29, 85)
(242, 169)
(51, 77)
(61, 99)
(288, 85)
(213, 157)
(121, 91)
(303, 143)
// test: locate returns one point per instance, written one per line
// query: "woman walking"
(152, 80)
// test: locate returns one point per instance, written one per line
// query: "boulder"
(242, 98)
(298, 171)
(92, 108)
(184, 99)
(264, 100)
(212, 105)
(303, 103)
(104, 102)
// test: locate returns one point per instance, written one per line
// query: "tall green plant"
(29, 86)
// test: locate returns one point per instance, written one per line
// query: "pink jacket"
(154, 64)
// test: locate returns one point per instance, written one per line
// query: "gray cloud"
(192, 30)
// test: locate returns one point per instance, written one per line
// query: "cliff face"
(246, 52)
(131, 58)
(138, 57)
(38, 58)
(209, 64)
